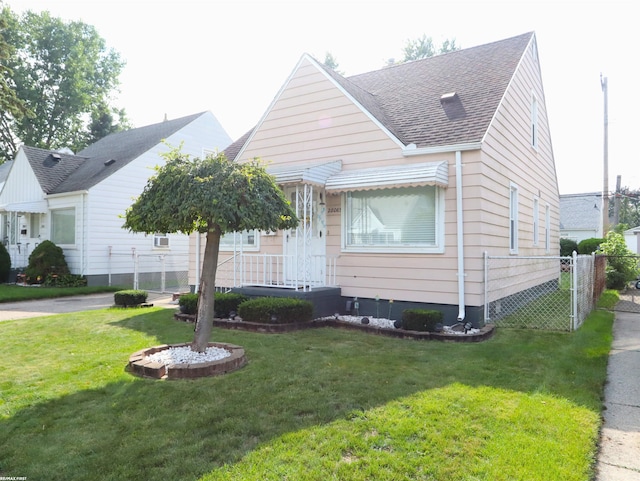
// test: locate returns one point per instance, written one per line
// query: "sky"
(232, 58)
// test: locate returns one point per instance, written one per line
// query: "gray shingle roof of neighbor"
(70, 173)
(4, 170)
(581, 211)
(406, 98)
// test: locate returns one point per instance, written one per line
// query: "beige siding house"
(402, 178)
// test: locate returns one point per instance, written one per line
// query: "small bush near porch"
(310, 405)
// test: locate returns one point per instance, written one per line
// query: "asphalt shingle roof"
(406, 98)
(87, 168)
(581, 211)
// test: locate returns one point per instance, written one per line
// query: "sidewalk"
(46, 307)
(619, 454)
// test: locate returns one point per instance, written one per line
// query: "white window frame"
(536, 221)
(161, 241)
(241, 246)
(513, 218)
(53, 214)
(534, 121)
(547, 226)
(437, 248)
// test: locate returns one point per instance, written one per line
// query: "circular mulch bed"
(140, 365)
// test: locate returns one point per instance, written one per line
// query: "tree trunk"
(207, 292)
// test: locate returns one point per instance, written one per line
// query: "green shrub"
(589, 246)
(622, 265)
(227, 302)
(567, 246)
(276, 310)
(5, 264)
(64, 280)
(421, 319)
(188, 303)
(47, 258)
(130, 297)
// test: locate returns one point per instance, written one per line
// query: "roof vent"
(109, 162)
(448, 97)
(55, 156)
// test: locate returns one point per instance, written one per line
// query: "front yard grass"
(16, 293)
(318, 404)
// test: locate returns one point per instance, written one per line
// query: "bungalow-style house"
(77, 200)
(402, 178)
(581, 216)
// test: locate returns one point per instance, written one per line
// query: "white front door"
(304, 248)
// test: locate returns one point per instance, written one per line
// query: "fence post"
(574, 290)
(163, 275)
(135, 268)
(110, 248)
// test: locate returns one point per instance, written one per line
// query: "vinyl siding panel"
(109, 246)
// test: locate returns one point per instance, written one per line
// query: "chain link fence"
(630, 296)
(551, 293)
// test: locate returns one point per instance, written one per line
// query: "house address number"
(334, 210)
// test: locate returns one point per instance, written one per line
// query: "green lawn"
(319, 404)
(16, 293)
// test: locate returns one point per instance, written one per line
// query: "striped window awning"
(429, 173)
(306, 173)
(33, 207)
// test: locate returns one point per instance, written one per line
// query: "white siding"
(108, 201)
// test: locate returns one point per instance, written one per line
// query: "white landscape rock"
(383, 323)
(184, 355)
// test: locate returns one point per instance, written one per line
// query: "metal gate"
(630, 296)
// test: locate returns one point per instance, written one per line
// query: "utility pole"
(605, 184)
(616, 202)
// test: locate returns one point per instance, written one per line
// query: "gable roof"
(581, 211)
(4, 170)
(406, 98)
(59, 172)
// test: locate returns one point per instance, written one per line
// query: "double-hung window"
(63, 226)
(247, 241)
(394, 220)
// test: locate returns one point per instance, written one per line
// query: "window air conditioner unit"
(161, 242)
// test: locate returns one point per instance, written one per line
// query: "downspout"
(460, 235)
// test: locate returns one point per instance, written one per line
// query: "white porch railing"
(290, 272)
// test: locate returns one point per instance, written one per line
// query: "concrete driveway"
(46, 307)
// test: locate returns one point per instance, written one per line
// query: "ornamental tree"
(214, 196)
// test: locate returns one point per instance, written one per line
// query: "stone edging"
(139, 365)
(485, 332)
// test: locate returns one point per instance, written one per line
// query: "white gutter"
(411, 149)
(460, 234)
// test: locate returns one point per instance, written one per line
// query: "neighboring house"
(4, 172)
(581, 216)
(402, 179)
(632, 238)
(77, 201)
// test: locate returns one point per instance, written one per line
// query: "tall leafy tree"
(424, 47)
(331, 62)
(628, 201)
(65, 75)
(214, 196)
(11, 107)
